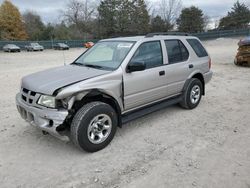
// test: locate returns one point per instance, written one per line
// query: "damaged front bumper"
(43, 118)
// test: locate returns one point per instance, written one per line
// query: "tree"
(62, 32)
(239, 17)
(48, 32)
(159, 25)
(191, 20)
(11, 24)
(140, 18)
(80, 13)
(34, 25)
(123, 17)
(107, 17)
(170, 10)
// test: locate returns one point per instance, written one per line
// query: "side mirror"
(135, 66)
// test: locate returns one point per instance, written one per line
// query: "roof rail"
(167, 33)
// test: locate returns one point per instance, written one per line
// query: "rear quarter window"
(197, 47)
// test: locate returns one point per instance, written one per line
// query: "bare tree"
(170, 10)
(207, 22)
(80, 13)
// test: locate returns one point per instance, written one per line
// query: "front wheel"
(192, 95)
(94, 126)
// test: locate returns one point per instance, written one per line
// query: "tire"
(84, 132)
(236, 62)
(192, 95)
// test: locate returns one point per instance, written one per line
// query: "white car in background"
(34, 47)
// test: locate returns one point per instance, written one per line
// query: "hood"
(46, 82)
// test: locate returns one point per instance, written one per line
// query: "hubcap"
(99, 128)
(195, 94)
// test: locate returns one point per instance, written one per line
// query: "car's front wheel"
(192, 94)
(94, 126)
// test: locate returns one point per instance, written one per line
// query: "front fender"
(105, 84)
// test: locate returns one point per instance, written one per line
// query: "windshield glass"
(34, 44)
(105, 55)
(11, 45)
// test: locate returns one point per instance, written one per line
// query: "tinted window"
(197, 47)
(177, 52)
(150, 53)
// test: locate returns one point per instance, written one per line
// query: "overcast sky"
(50, 9)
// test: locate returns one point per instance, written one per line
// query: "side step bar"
(149, 109)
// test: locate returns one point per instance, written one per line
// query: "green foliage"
(62, 32)
(140, 18)
(123, 17)
(237, 18)
(11, 25)
(159, 25)
(33, 25)
(191, 20)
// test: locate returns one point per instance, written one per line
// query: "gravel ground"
(205, 147)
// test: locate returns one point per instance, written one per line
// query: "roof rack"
(167, 33)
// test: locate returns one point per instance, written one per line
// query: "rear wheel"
(94, 126)
(192, 95)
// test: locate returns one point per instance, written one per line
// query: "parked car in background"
(34, 47)
(89, 44)
(114, 82)
(243, 55)
(11, 48)
(61, 46)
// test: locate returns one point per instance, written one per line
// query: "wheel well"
(201, 78)
(96, 95)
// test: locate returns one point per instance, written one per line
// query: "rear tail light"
(209, 63)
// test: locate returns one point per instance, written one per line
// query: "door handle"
(162, 73)
(191, 66)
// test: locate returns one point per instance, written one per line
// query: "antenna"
(64, 58)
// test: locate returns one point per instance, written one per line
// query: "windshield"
(11, 45)
(34, 44)
(105, 55)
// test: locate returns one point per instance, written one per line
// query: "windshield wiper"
(93, 66)
(76, 63)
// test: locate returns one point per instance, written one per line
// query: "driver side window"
(150, 53)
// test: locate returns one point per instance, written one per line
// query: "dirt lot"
(205, 147)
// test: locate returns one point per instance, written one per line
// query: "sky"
(50, 10)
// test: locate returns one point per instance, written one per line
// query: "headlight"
(47, 101)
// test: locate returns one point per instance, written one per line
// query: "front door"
(146, 86)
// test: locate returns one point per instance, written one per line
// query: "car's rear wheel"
(94, 126)
(192, 94)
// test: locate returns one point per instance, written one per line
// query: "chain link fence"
(80, 43)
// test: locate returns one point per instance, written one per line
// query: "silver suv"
(114, 82)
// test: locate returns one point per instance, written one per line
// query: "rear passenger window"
(150, 53)
(197, 47)
(177, 52)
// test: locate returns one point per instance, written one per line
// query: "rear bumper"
(45, 119)
(208, 76)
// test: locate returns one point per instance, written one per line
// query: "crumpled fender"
(110, 84)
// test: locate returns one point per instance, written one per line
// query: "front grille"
(28, 96)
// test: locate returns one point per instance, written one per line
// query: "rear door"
(178, 67)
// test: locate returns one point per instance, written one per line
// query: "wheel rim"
(195, 94)
(99, 128)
